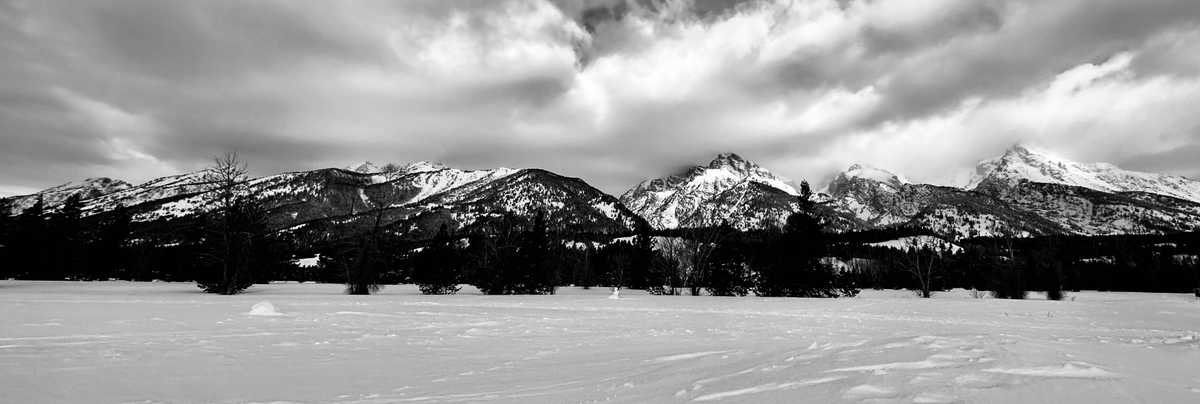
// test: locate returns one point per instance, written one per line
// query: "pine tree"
(492, 253)
(516, 263)
(727, 273)
(8, 225)
(535, 273)
(642, 258)
(109, 246)
(67, 241)
(1007, 269)
(792, 265)
(369, 258)
(617, 261)
(31, 242)
(437, 269)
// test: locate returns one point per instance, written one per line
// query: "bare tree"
(677, 250)
(365, 256)
(691, 253)
(231, 227)
(922, 263)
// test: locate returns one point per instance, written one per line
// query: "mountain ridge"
(1022, 192)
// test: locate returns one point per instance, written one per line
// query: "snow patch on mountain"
(919, 242)
(54, 197)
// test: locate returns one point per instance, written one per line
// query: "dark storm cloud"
(612, 91)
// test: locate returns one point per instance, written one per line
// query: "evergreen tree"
(1008, 272)
(68, 255)
(437, 269)
(490, 255)
(368, 258)
(727, 273)
(617, 261)
(535, 269)
(791, 264)
(31, 242)
(1043, 262)
(512, 262)
(584, 266)
(642, 258)
(8, 225)
(109, 247)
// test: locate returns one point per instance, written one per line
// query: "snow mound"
(1070, 370)
(866, 391)
(765, 388)
(686, 356)
(263, 308)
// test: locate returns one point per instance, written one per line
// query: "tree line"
(1008, 267)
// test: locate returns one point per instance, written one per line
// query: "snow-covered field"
(113, 342)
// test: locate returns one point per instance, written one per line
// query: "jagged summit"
(1025, 163)
(866, 172)
(860, 175)
(365, 167)
(731, 160)
(728, 187)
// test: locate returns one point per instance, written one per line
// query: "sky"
(611, 91)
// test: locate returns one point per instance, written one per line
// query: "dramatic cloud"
(611, 91)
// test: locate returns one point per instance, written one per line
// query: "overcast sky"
(610, 91)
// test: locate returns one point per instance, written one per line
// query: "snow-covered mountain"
(1023, 163)
(416, 197)
(729, 188)
(1023, 192)
(863, 198)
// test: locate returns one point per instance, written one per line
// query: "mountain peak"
(730, 160)
(1023, 163)
(867, 172)
(706, 195)
(365, 167)
(422, 166)
(1026, 152)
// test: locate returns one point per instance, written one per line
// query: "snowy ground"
(163, 342)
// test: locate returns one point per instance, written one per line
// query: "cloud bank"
(609, 91)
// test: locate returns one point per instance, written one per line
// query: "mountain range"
(1023, 192)
(418, 198)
